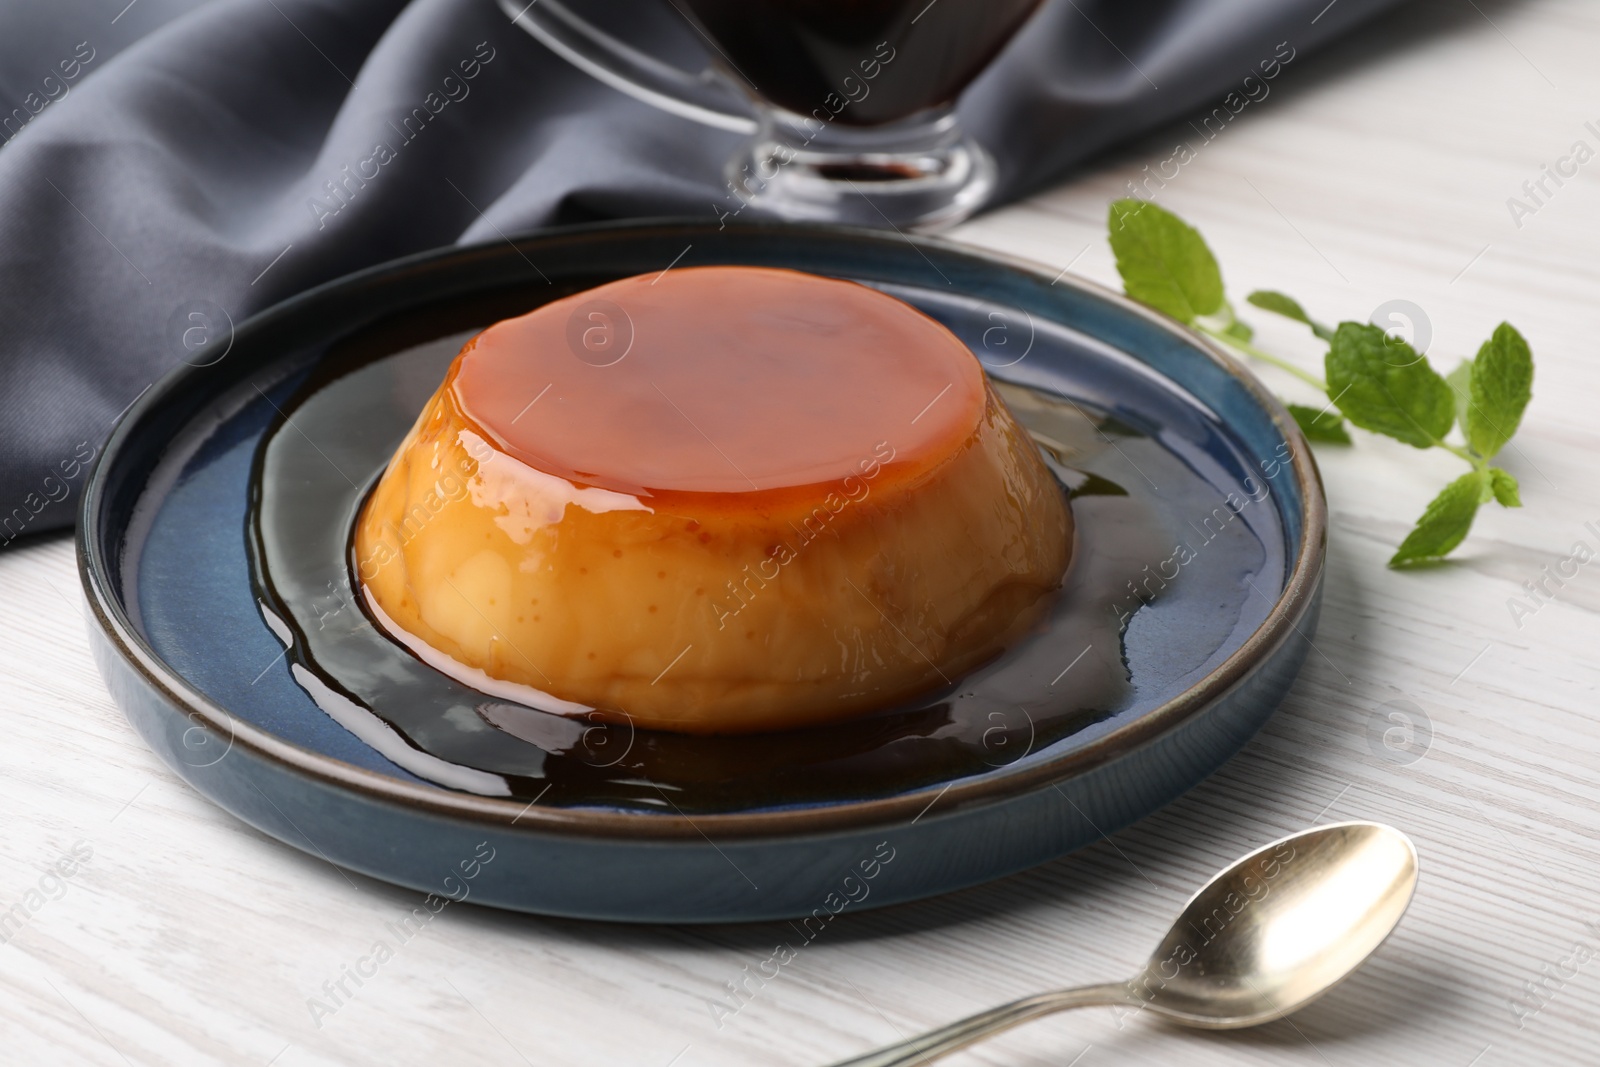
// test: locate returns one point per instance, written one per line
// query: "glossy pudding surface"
(713, 500)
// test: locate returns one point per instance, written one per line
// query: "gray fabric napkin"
(195, 156)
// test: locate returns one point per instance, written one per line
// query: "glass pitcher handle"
(704, 97)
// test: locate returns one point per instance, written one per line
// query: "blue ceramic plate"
(188, 653)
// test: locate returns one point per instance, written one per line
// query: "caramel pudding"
(713, 500)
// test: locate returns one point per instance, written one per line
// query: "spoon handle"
(975, 1028)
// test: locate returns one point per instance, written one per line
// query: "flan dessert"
(713, 500)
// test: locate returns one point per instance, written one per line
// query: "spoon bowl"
(1265, 937)
(1281, 926)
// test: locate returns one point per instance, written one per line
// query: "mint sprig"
(1374, 380)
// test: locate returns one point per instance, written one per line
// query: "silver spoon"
(1264, 938)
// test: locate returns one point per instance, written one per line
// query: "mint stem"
(1266, 357)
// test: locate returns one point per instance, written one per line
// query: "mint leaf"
(1445, 523)
(1460, 381)
(1502, 383)
(1382, 384)
(1289, 308)
(1239, 329)
(1320, 425)
(1505, 488)
(1164, 262)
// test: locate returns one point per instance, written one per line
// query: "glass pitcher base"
(921, 175)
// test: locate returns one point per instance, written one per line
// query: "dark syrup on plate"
(336, 434)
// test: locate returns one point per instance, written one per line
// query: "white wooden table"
(1380, 170)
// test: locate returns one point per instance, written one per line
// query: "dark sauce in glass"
(337, 432)
(862, 62)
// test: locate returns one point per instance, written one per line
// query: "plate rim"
(1298, 594)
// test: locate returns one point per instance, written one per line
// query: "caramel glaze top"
(735, 386)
